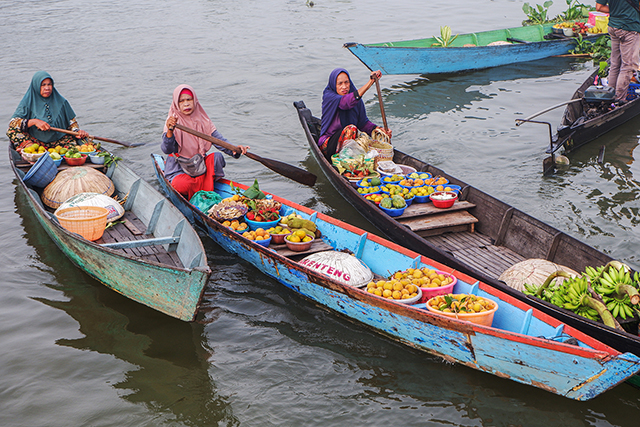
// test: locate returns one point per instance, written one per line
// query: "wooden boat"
(523, 344)
(582, 122)
(479, 235)
(155, 257)
(420, 56)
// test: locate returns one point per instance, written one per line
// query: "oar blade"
(292, 172)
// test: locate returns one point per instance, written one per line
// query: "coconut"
(340, 266)
(94, 199)
(533, 272)
(76, 180)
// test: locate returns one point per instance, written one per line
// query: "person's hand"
(171, 122)
(385, 131)
(41, 124)
(82, 134)
(376, 75)
(243, 149)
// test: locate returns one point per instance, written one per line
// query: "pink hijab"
(189, 144)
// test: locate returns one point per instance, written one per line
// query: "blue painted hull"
(511, 348)
(419, 57)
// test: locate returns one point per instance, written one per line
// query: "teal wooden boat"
(471, 51)
(522, 344)
(155, 257)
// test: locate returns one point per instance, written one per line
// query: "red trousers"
(189, 185)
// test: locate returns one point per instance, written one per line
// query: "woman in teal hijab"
(42, 108)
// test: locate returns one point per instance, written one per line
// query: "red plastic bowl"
(446, 203)
(77, 161)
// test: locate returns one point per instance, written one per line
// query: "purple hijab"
(330, 100)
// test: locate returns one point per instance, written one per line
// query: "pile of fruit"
(393, 289)
(393, 202)
(375, 198)
(87, 148)
(600, 294)
(368, 190)
(436, 180)
(34, 149)
(392, 178)
(278, 229)
(396, 190)
(461, 303)
(300, 235)
(423, 191)
(258, 234)
(73, 153)
(296, 222)
(421, 175)
(262, 209)
(374, 181)
(411, 182)
(235, 225)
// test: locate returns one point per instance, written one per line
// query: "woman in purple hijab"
(343, 111)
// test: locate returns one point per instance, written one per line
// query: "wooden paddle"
(284, 169)
(384, 117)
(126, 144)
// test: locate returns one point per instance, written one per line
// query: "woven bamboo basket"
(87, 221)
(74, 181)
(533, 272)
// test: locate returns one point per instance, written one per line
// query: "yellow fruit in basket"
(307, 239)
(387, 293)
(294, 238)
(396, 295)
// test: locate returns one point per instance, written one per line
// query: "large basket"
(87, 221)
(385, 151)
(42, 172)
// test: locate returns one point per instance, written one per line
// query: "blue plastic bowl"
(42, 172)
(429, 176)
(57, 162)
(264, 243)
(421, 199)
(393, 211)
(254, 225)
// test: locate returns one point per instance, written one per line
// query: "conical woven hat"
(533, 272)
(74, 181)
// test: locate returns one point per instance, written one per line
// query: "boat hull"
(567, 370)
(505, 225)
(173, 291)
(467, 52)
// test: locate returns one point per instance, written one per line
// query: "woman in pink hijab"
(186, 110)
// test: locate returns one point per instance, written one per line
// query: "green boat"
(152, 255)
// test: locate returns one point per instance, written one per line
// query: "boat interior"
(148, 230)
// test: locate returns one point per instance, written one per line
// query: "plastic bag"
(350, 150)
(204, 200)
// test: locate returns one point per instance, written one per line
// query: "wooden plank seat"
(445, 222)
(131, 238)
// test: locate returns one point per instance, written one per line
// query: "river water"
(74, 353)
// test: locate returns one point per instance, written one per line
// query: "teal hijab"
(55, 109)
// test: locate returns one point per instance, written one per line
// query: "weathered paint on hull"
(173, 291)
(559, 368)
(407, 60)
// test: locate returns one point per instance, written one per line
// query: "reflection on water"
(441, 93)
(170, 357)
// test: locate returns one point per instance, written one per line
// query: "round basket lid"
(115, 210)
(532, 271)
(76, 180)
(340, 266)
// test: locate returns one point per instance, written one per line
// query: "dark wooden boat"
(582, 122)
(480, 236)
(155, 257)
(521, 344)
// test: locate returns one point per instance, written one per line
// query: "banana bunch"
(575, 296)
(617, 288)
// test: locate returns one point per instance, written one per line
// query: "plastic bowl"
(454, 188)
(254, 225)
(393, 211)
(409, 201)
(32, 157)
(76, 161)
(41, 173)
(57, 162)
(264, 242)
(383, 182)
(484, 318)
(428, 293)
(299, 246)
(443, 204)
(88, 153)
(95, 159)
(278, 239)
